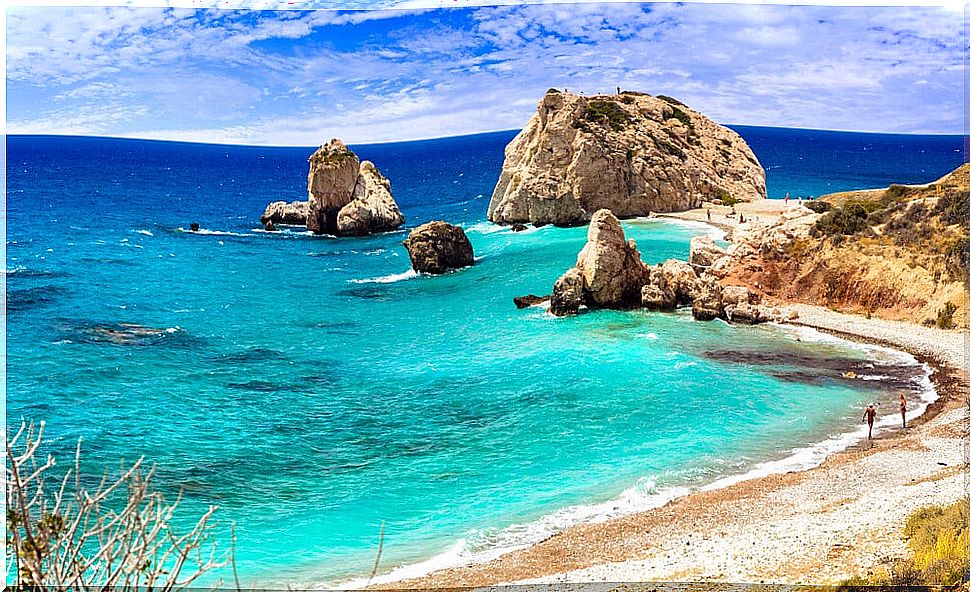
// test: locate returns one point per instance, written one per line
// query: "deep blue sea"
(314, 389)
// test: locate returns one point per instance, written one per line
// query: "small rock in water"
(530, 300)
(437, 246)
(270, 227)
(518, 227)
(194, 227)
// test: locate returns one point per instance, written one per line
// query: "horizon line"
(432, 138)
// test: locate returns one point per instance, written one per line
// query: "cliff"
(630, 153)
(898, 253)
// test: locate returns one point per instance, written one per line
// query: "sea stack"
(346, 197)
(437, 247)
(608, 273)
(631, 153)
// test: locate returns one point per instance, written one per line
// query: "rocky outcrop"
(330, 185)
(567, 294)
(707, 304)
(293, 213)
(703, 253)
(346, 197)
(437, 247)
(630, 153)
(373, 209)
(613, 274)
(529, 300)
(609, 267)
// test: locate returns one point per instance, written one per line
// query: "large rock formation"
(437, 247)
(609, 270)
(330, 185)
(346, 197)
(373, 209)
(630, 153)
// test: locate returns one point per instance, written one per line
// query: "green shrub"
(683, 118)
(670, 100)
(728, 199)
(607, 113)
(954, 208)
(848, 219)
(554, 91)
(819, 207)
(634, 93)
(944, 316)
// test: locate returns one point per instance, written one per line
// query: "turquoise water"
(314, 389)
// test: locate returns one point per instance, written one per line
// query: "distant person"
(741, 219)
(708, 215)
(618, 90)
(902, 408)
(787, 197)
(194, 227)
(870, 416)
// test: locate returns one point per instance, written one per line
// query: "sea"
(349, 416)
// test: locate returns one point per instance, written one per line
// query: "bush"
(683, 118)
(954, 208)
(848, 219)
(728, 199)
(608, 113)
(938, 539)
(670, 100)
(634, 93)
(944, 316)
(819, 207)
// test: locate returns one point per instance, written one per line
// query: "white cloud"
(191, 73)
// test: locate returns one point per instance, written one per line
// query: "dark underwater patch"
(376, 293)
(128, 334)
(24, 299)
(249, 355)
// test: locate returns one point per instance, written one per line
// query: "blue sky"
(301, 77)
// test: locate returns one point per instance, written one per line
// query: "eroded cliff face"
(630, 153)
(899, 253)
(330, 185)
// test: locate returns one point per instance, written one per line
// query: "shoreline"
(616, 550)
(619, 549)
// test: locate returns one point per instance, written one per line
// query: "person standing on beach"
(870, 416)
(902, 408)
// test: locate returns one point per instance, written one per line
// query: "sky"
(300, 77)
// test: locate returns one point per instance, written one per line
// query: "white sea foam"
(478, 547)
(388, 279)
(652, 336)
(145, 232)
(207, 232)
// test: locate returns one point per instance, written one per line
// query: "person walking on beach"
(902, 408)
(708, 215)
(787, 197)
(870, 416)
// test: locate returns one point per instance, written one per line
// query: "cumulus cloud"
(292, 77)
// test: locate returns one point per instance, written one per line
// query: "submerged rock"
(630, 153)
(437, 246)
(293, 213)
